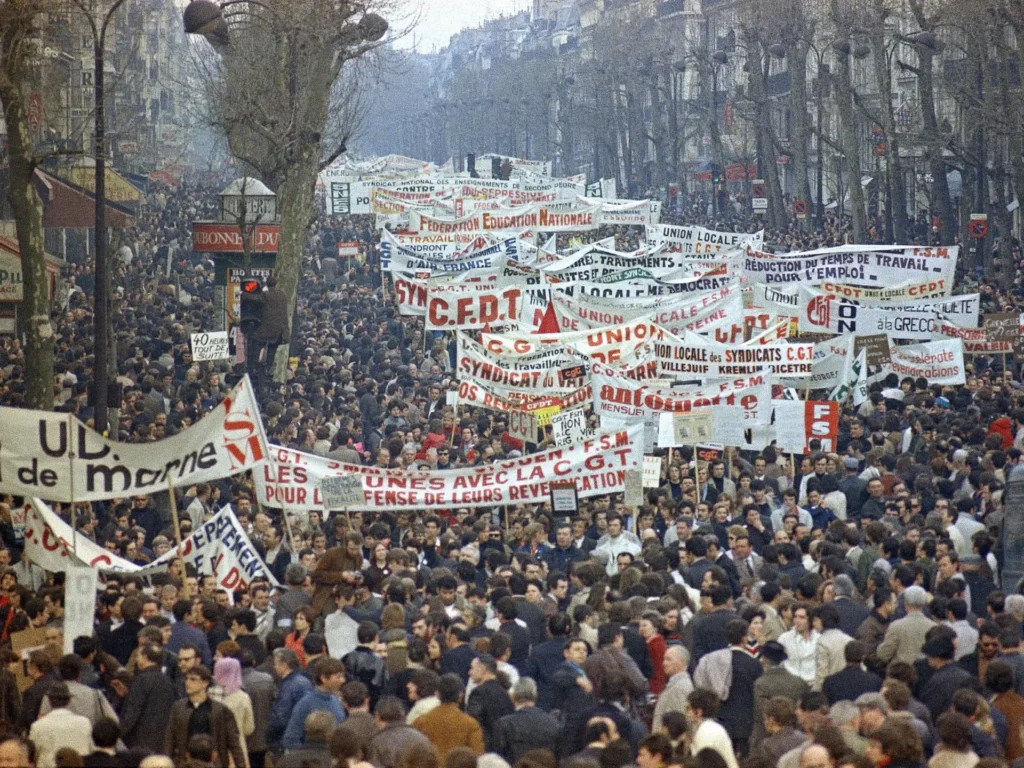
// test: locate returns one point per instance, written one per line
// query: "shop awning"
(67, 205)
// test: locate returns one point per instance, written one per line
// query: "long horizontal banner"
(404, 260)
(912, 320)
(537, 217)
(597, 466)
(697, 241)
(220, 547)
(595, 263)
(612, 345)
(689, 356)
(56, 457)
(477, 393)
(872, 266)
(471, 305)
(551, 370)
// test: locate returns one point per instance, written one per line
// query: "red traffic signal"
(251, 286)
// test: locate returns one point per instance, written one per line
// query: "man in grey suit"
(678, 687)
(905, 637)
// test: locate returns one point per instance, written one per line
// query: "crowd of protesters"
(836, 609)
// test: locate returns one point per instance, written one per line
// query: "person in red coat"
(650, 630)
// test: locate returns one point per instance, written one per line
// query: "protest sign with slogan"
(211, 345)
(56, 457)
(1001, 326)
(292, 478)
(797, 422)
(862, 265)
(79, 604)
(940, 362)
(340, 491)
(877, 346)
(571, 427)
(652, 472)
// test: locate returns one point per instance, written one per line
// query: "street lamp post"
(101, 296)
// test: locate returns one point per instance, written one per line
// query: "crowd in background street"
(835, 609)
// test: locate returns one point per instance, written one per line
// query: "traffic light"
(716, 173)
(251, 313)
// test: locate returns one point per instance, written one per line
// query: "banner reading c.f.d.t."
(797, 422)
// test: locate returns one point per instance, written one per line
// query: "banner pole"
(71, 486)
(174, 517)
(696, 470)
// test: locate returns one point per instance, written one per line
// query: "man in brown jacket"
(446, 725)
(198, 713)
(341, 564)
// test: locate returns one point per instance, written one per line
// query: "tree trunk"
(797, 57)
(851, 148)
(28, 215)
(896, 201)
(941, 200)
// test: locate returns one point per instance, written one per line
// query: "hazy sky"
(440, 19)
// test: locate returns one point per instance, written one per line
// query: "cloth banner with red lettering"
(797, 422)
(598, 466)
(219, 547)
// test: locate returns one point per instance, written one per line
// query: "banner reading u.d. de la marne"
(598, 466)
(56, 457)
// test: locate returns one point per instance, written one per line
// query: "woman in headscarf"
(227, 674)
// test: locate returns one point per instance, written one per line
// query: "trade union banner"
(914, 320)
(535, 217)
(56, 457)
(625, 344)
(698, 241)
(871, 266)
(471, 305)
(690, 356)
(219, 547)
(598, 466)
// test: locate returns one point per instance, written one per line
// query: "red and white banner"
(54, 456)
(546, 370)
(534, 217)
(471, 305)
(623, 344)
(597, 466)
(219, 547)
(940, 362)
(691, 356)
(477, 393)
(797, 422)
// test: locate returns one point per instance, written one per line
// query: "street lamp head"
(862, 51)
(842, 47)
(777, 50)
(925, 38)
(203, 17)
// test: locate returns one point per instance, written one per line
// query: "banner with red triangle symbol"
(549, 323)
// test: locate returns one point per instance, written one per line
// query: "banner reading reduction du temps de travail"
(56, 457)
(598, 466)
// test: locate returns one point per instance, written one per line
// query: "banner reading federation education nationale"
(598, 466)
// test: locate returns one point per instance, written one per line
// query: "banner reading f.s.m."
(56, 457)
(597, 466)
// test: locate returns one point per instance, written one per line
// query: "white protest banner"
(403, 260)
(827, 313)
(940, 362)
(698, 241)
(746, 401)
(479, 393)
(908, 291)
(829, 363)
(570, 427)
(51, 544)
(628, 212)
(211, 345)
(471, 305)
(410, 294)
(688, 356)
(797, 422)
(428, 247)
(976, 340)
(598, 467)
(614, 344)
(79, 604)
(537, 372)
(854, 382)
(596, 262)
(340, 491)
(56, 457)
(540, 216)
(652, 472)
(864, 265)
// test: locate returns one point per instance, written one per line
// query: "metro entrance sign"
(219, 237)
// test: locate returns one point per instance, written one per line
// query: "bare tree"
(18, 27)
(270, 91)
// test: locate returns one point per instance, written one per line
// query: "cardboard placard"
(570, 427)
(693, 427)
(563, 497)
(1002, 326)
(877, 346)
(23, 643)
(339, 491)
(633, 494)
(79, 604)
(210, 346)
(652, 471)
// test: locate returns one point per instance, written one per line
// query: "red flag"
(549, 323)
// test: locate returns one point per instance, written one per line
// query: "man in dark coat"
(508, 612)
(122, 641)
(489, 701)
(528, 727)
(709, 629)
(854, 680)
(147, 707)
(198, 713)
(273, 329)
(947, 676)
(851, 614)
(460, 654)
(546, 657)
(736, 713)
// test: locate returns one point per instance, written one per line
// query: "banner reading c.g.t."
(54, 456)
(598, 466)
